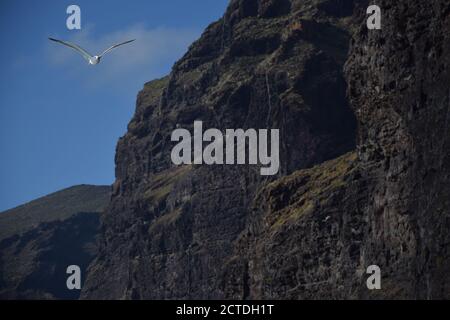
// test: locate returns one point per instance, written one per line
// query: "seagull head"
(94, 60)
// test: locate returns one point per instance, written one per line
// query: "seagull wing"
(86, 55)
(115, 46)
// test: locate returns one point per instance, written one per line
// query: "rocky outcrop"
(40, 239)
(334, 209)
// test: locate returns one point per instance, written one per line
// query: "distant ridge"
(39, 239)
(59, 205)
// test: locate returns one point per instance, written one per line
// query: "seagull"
(92, 60)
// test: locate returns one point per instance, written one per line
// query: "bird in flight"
(92, 60)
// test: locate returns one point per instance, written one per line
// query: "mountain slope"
(58, 205)
(41, 238)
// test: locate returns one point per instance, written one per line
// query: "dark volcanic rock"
(314, 233)
(399, 84)
(169, 231)
(42, 238)
(310, 232)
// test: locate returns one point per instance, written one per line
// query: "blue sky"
(60, 118)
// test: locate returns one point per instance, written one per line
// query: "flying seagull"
(93, 60)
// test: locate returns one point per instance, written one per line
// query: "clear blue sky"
(60, 118)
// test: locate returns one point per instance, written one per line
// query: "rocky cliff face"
(316, 231)
(399, 86)
(227, 232)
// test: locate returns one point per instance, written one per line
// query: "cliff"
(363, 118)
